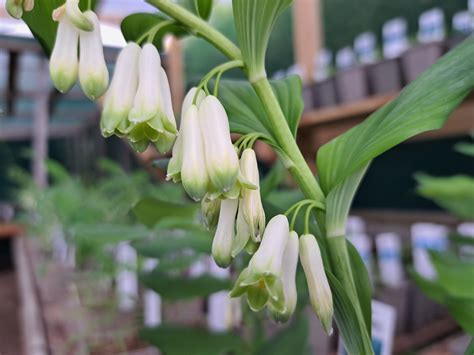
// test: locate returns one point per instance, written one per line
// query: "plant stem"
(298, 167)
(199, 27)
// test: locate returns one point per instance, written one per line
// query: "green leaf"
(246, 114)
(465, 148)
(338, 203)
(274, 178)
(453, 274)
(462, 309)
(362, 284)
(180, 287)
(423, 105)
(137, 26)
(102, 234)
(356, 339)
(174, 241)
(202, 8)
(180, 340)
(470, 348)
(291, 340)
(454, 193)
(150, 211)
(432, 289)
(254, 21)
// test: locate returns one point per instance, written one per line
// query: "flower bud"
(77, 18)
(193, 172)
(121, 93)
(252, 207)
(169, 121)
(174, 165)
(222, 243)
(290, 262)
(242, 232)
(210, 211)
(29, 5)
(318, 286)
(93, 73)
(267, 260)
(63, 63)
(221, 157)
(14, 8)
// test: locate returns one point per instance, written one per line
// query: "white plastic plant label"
(365, 47)
(431, 26)
(322, 65)
(462, 22)
(425, 237)
(127, 283)
(395, 40)
(345, 58)
(151, 300)
(389, 253)
(384, 319)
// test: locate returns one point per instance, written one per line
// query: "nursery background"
(99, 254)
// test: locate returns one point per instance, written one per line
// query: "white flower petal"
(222, 243)
(76, 16)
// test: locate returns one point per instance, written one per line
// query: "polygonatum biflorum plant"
(224, 175)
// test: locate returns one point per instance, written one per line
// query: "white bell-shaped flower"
(148, 99)
(169, 121)
(174, 165)
(289, 265)
(221, 157)
(267, 260)
(242, 232)
(14, 8)
(121, 93)
(193, 171)
(251, 206)
(222, 243)
(318, 285)
(210, 211)
(93, 72)
(64, 63)
(77, 18)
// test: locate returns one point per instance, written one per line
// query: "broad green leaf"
(271, 181)
(432, 289)
(137, 26)
(202, 8)
(470, 348)
(423, 105)
(177, 262)
(180, 340)
(338, 203)
(465, 148)
(462, 310)
(246, 114)
(454, 193)
(254, 21)
(454, 275)
(174, 241)
(291, 340)
(150, 211)
(362, 284)
(180, 287)
(102, 234)
(356, 339)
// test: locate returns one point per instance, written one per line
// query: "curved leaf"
(246, 114)
(202, 8)
(135, 27)
(423, 105)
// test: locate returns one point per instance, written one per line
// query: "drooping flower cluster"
(67, 62)
(16, 7)
(138, 102)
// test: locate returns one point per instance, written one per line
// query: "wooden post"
(175, 70)
(40, 128)
(307, 35)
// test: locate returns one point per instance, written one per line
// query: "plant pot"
(417, 59)
(454, 41)
(399, 298)
(324, 93)
(351, 85)
(384, 77)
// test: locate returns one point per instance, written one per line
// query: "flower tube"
(93, 73)
(63, 63)
(221, 157)
(318, 286)
(121, 93)
(193, 172)
(222, 243)
(77, 18)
